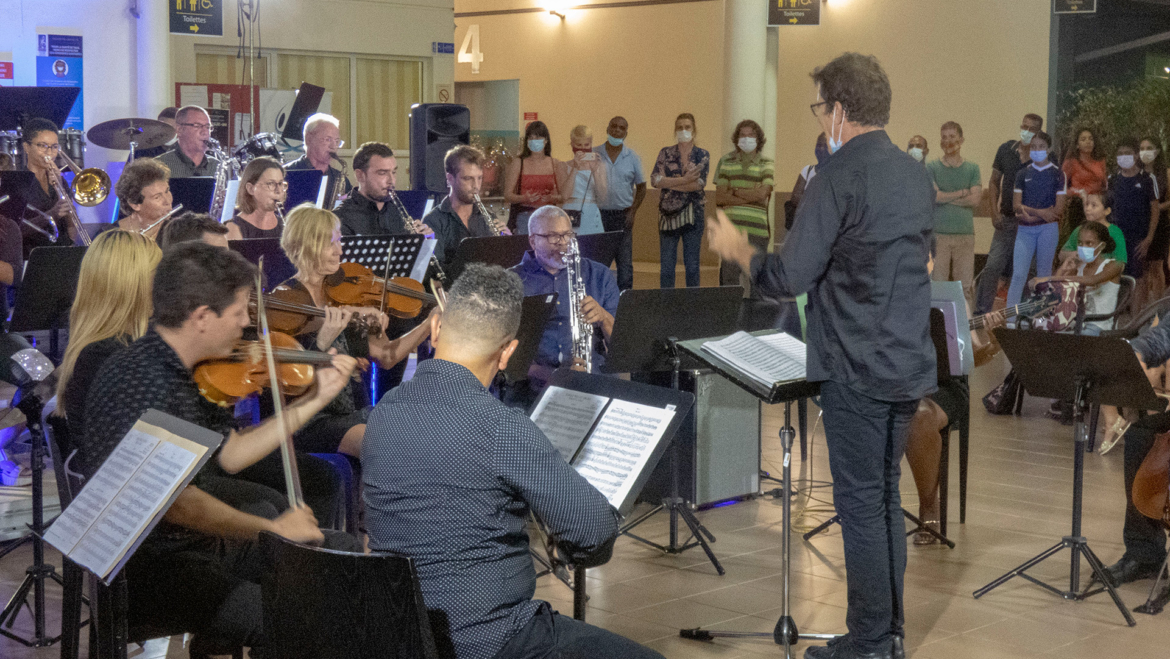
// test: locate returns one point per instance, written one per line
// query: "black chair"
(938, 335)
(320, 603)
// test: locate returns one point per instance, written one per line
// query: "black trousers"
(866, 439)
(550, 634)
(319, 482)
(615, 220)
(1145, 538)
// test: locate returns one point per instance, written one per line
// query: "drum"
(261, 144)
(10, 146)
(73, 145)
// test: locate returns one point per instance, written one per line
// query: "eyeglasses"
(813, 108)
(273, 186)
(557, 237)
(198, 127)
(47, 147)
(329, 141)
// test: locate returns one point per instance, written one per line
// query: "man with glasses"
(41, 142)
(322, 135)
(543, 272)
(189, 157)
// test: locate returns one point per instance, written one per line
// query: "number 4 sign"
(469, 50)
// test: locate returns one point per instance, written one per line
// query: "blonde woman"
(312, 242)
(112, 308)
(585, 175)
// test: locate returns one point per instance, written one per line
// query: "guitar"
(1032, 307)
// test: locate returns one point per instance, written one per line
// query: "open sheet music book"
(607, 440)
(775, 358)
(131, 491)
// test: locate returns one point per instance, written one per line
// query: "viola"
(227, 380)
(292, 311)
(356, 285)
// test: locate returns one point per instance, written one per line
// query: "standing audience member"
(958, 189)
(627, 189)
(803, 179)
(1084, 164)
(1011, 157)
(585, 176)
(1135, 212)
(743, 189)
(531, 180)
(681, 174)
(918, 148)
(1040, 194)
(1154, 164)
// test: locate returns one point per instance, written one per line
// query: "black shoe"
(1128, 569)
(898, 650)
(842, 650)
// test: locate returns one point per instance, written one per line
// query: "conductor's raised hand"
(726, 240)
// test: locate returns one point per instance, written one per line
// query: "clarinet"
(279, 211)
(582, 331)
(223, 174)
(493, 225)
(415, 227)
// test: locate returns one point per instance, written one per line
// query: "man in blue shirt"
(627, 189)
(543, 271)
(451, 476)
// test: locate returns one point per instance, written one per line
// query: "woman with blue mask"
(680, 173)
(1039, 198)
(531, 179)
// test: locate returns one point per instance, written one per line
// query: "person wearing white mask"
(1135, 212)
(681, 174)
(743, 189)
(627, 189)
(1155, 165)
(531, 179)
(1012, 156)
(918, 149)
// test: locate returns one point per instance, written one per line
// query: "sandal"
(922, 538)
(1116, 432)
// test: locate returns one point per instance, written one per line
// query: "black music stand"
(15, 184)
(277, 267)
(785, 633)
(46, 293)
(534, 315)
(415, 201)
(407, 256)
(1087, 370)
(647, 328)
(506, 251)
(636, 392)
(18, 104)
(194, 192)
(307, 101)
(304, 186)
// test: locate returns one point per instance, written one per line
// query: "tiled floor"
(1019, 504)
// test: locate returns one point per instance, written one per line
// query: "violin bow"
(292, 477)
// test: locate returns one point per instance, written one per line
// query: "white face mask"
(1125, 162)
(835, 142)
(1026, 136)
(916, 153)
(1148, 155)
(747, 144)
(683, 136)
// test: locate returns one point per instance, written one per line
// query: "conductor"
(859, 248)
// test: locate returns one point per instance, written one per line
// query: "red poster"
(531, 116)
(5, 70)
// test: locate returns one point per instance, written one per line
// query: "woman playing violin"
(312, 242)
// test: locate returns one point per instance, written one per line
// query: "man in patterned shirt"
(199, 569)
(451, 475)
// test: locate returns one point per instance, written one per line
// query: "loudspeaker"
(435, 128)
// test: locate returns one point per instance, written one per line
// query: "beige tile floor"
(1019, 504)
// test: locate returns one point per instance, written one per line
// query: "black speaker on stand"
(435, 129)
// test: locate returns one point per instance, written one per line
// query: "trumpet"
(160, 220)
(48, 218)
(416, 227)
(492, 223)
(90, 188)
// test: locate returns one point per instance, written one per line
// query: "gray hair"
(315, 121)
(545, 213)
(484, 306)
(181, 113)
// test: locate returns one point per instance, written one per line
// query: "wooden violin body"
(1151, 484)
(292, 311)
(357, 286)
(226, 381)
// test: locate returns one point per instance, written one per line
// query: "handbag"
(1002, 399)
(1062, 317)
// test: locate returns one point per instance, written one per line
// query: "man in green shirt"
(958, 189)
(743, 189)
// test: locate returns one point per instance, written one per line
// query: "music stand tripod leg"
(1158, 595)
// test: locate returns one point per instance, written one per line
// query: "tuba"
(582, 331)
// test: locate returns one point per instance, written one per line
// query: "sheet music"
(100, 490)
(764, 362)
(565, 417)
(792, 347)
(620, 447)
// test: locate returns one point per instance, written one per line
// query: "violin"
(226, 380)
(356, 285)
(292, 311)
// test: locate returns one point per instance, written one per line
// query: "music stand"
(415, 201)
(1089, 370)
(304, 186)
(534, 314)
(307, 101)
(194, 192)
(410, 254)
(647, 328)
(15, 184)
(506, 251)
(46, 292)
(277, 267)
(18, 104)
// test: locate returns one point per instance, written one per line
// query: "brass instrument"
(333, 190)
(279, 211)
(90, 186)
(162, 219)
(416, 227)
(85, 188)
(582, 331)
(45, 216)
(223, 173)
(492, 223)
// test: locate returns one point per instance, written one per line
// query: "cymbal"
(118, 133)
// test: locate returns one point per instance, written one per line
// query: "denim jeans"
(999, 261)
(1039, 241)
(550, 634)
(615, 220)
(692, 240)
(866, 439)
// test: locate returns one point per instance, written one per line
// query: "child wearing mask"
(1040, 194)
(1135, 212)
(1096, 207)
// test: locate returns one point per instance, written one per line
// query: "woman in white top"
(585, 175)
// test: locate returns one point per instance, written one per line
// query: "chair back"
(320, 603)
(1156, 309)
(1125, 289)
(60, 444)
(938, 336)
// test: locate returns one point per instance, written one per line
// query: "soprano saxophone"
(582, 331)
(223, 173)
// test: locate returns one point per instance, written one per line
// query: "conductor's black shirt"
(859, 248)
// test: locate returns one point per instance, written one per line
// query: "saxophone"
(493, 224)
(223, 173)
(582, 331)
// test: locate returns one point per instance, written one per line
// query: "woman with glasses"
(262, 190)
(144, 196)
(40, 142)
